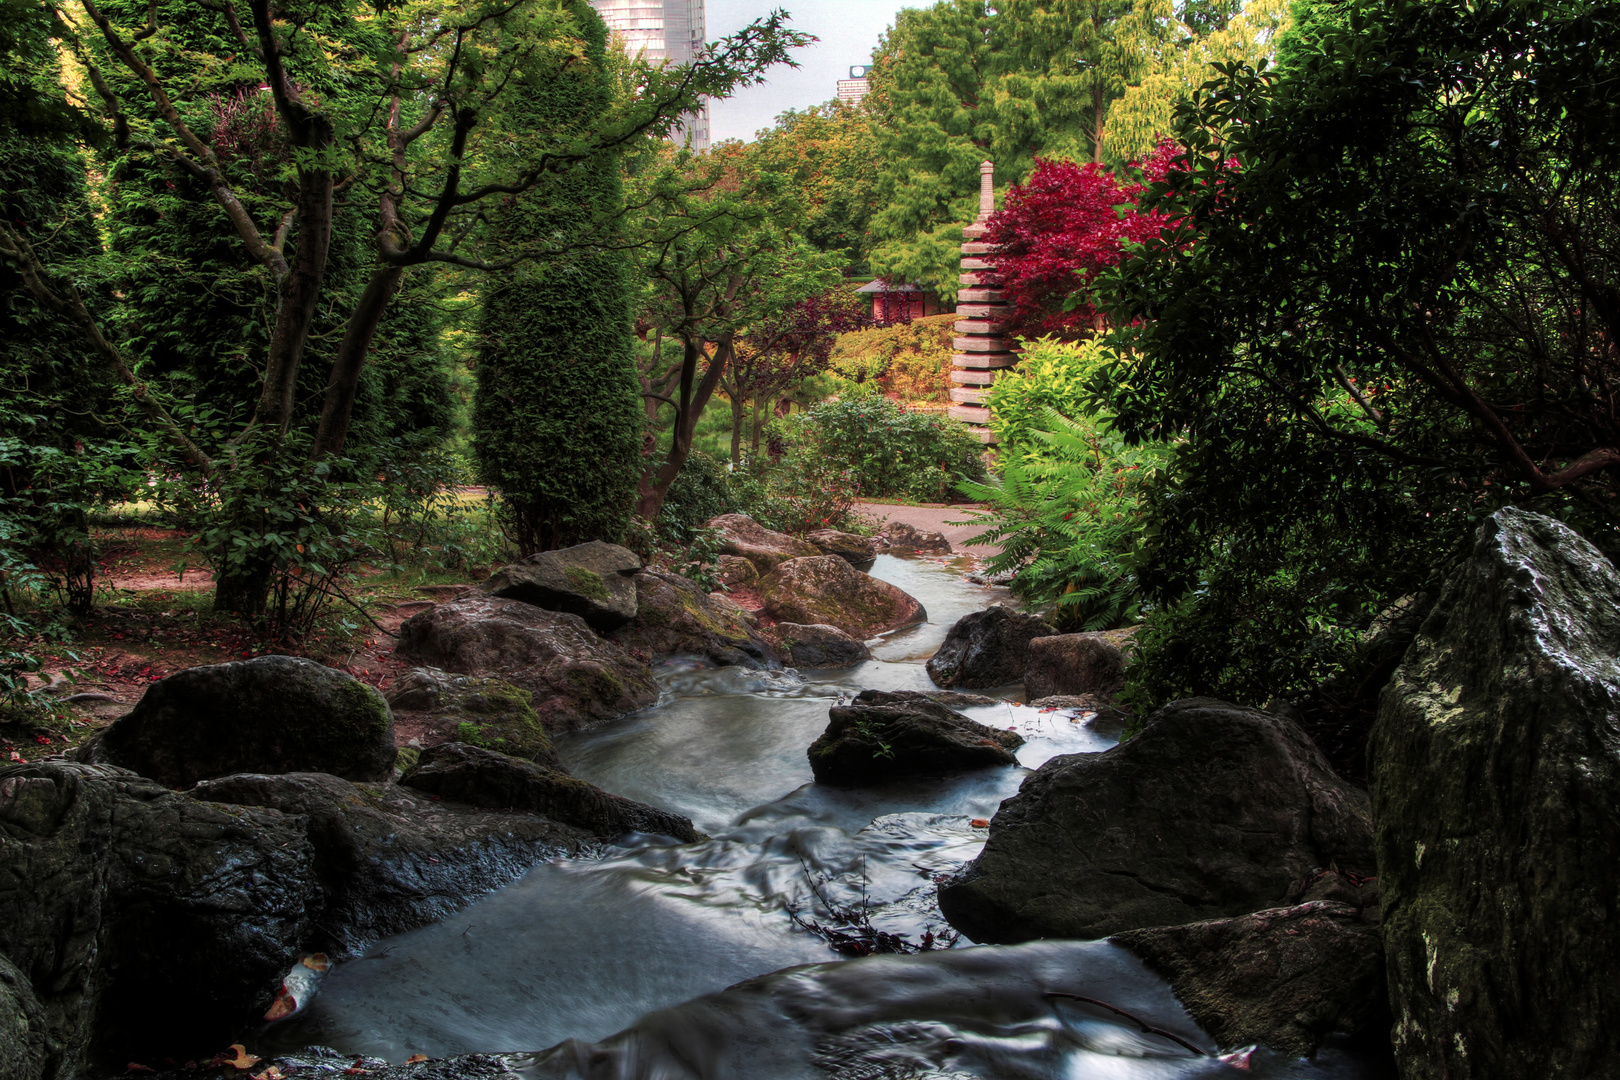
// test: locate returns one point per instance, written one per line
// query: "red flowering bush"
(1059, 228)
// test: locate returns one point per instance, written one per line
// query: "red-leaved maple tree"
(1058, 229)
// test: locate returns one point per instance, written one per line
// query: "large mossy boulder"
(820, 646)
(270, 714)
(827, 590)
(677, 618)
(1211, 811)
(575, 676)
(765, 548)
(591, 580)
(1496, 788)
(147, 923)
(480, 777)
(1286, 977)
(987, 648)
(24, 1053)
(859, 551)
(389, 858)
(880, 737)
(486, 712)
(1065, 665)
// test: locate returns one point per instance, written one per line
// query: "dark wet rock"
(23, 1052)
(859, 551)
(827, 590)
(898, 538)
(323, 1061)
(987, 648)
(269, 714)
(497, 781)
(954, 699)
(1091, 663)
(145, 921)
(1285, 977)
(1211, 811)
(677, 618)
(1106, 714)
(820, 646)
(733, 570)
(866, 742)
(591, 580)
(485, 712)
(765, 548)
(389, 858)
(576, 677)
(1496, 785)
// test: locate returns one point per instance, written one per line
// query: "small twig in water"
(1146, 1027)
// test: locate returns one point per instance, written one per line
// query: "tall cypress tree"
(557, 420)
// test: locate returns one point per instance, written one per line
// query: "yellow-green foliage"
(1050, 374)
(912, 361)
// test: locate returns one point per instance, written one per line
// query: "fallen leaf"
(16, 756)
(284, 1005)
(272, 1073)
(414, 1058)
(238, 1058)
(980, 823)
(317, 962)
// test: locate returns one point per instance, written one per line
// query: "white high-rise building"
(672, 30)
(854, 88)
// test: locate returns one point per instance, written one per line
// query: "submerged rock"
(576, 677)
(820, 646)
(898, 538)
(1212, 810)
(987, 648)
(491, 713)
(1496, 786)
(590, 580)
(859, 551)
(163, 921)
(767, 549)
(388, 858)
(677, 618)
(269, 714)
(953, 698)
(1107, 714)
(1064, 664)
(867, 742)
(485, 778)
(827, 590)
(1284, 977)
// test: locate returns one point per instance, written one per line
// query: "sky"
(849, 31)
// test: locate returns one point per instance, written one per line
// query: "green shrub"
(1051, 374)
(558, 416)
(883, 450)
(912, 360)
(702, 491)
(1067, 520)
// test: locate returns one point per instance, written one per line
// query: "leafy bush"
(1051, 374)
(702, 491)
(1067, 521)
(912, 359)
(885, 451)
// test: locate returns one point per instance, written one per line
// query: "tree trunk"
(300, 295)
(344, 382)
(655, 485)
(737, 409)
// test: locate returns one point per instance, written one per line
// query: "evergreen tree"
(557, 418)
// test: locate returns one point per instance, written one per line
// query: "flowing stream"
(601, 958)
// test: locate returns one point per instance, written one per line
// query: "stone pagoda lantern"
(980, 349)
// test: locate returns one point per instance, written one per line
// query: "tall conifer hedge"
(557, 421)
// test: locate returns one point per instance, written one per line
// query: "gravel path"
(934, 517)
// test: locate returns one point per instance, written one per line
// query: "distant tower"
(981, 348)
(852, 89)
(672, 30)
